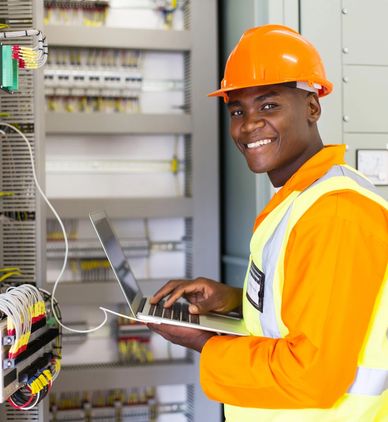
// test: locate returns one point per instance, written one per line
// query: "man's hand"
(205, 295)
(187, 337)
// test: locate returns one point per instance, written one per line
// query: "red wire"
(32, 397)
(15, 406)
(12, 403)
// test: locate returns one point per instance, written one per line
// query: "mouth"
(257, 144)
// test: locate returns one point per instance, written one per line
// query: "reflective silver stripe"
(271, 251)
(338, 170)
(370, 381)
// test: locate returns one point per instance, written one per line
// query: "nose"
(252, 123)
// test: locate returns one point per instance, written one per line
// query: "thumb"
(193, 309)
(200, 308)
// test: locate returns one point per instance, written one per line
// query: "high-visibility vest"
(367, 398)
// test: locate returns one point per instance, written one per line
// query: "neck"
(279, 178)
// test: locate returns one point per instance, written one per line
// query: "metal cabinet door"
(365, 99)
(365, 32)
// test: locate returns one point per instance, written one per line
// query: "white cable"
(29, 295)
(64, 237)
(8, 307)
(19, 34)
(23, 298)
(13, 315)
(42, 47)
(11, 309)
(31, 406)
(21, 303)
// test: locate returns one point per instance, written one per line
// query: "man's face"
(272, 126)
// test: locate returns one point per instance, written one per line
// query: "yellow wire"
(5, 276)
(6, 269)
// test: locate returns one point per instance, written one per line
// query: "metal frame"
(206, 232)
(100, 123)
(126, 376)
(145, 39)
(37, 236)
(39, 105)
(125, 207)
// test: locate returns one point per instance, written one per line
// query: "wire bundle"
(23, 399)
(36, 388)
(24, 306)
(29, 58)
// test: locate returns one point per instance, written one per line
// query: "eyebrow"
(257, 99)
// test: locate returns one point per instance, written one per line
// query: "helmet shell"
(273, 54)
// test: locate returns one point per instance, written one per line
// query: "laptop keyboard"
(178, 312)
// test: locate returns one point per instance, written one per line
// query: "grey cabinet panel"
(365, 31)
(320, 23)
(365, 94)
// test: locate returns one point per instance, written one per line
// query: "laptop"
(139, 307)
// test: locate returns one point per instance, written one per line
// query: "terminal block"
(9, 70)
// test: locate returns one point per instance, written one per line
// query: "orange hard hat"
(273, 54)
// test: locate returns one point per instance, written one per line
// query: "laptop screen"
(115, 254)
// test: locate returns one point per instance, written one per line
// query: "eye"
(269, 106)
(236, 113)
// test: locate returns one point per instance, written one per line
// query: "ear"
(313, 108)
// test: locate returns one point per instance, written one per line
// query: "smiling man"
(315, 296)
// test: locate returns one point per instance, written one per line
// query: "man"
(315, 297)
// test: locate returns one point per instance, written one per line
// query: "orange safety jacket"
(333, 267)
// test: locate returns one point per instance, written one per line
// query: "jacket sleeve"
(334, 266)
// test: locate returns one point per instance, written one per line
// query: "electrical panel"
(30, 339)
(129, 129)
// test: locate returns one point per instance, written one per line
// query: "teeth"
(259, 143)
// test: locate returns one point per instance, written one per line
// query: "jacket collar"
(307, 174)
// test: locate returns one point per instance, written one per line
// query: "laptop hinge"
(142, 303)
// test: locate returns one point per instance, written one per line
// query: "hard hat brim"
(218, 93)
(327, 87)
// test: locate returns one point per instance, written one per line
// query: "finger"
(180, 291)
(165, 290)
(202, 307)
